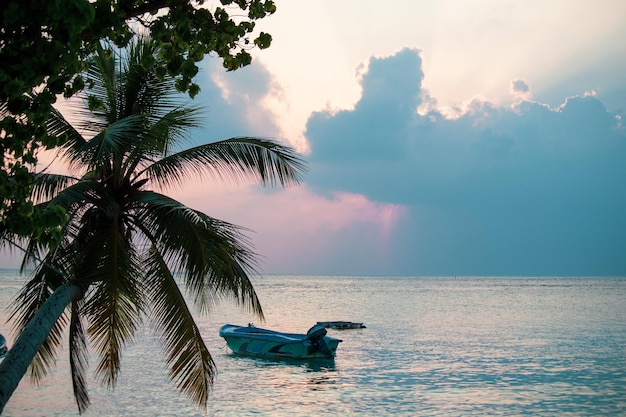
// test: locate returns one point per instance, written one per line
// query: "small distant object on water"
(3, 346)
(341, 325)
(254, 341)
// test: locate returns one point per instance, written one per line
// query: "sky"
(446, 138)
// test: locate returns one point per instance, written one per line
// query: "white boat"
(254, 341)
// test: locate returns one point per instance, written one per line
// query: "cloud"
(235, 103)
(520, 89)
(389, 99)
(522, 190)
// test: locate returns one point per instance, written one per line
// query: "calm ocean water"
(432, 347)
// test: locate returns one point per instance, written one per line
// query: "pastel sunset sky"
(481, 137)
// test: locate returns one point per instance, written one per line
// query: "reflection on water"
(433, 346)
(303, 365)
(317, 373)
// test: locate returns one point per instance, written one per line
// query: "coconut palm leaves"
(123, 238)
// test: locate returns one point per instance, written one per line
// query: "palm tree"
(123, 241)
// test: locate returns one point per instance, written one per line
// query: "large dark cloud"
(523, 190)
(389, 100)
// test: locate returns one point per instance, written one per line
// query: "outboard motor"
(316, 336)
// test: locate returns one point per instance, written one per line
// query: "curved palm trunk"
(14, 365)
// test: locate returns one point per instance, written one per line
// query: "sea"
(432, 346)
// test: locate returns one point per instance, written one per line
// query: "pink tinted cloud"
(294, 230)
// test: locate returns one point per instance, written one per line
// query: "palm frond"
(101, 97)
(117, 139)
(142, 90)
(59, 127)
(215, 256)
(78, 359)
(12, 242)
(170, 128)
(238, 158)
(161, 135)
(47, 186)
(83, 193)
(113, 305)
(130, 88)
(33, 253)
(190, 364)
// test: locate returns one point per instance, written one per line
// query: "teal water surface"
(432, 347)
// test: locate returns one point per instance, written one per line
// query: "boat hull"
(254, 341)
